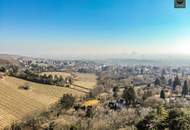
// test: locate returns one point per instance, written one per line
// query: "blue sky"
(92, 27)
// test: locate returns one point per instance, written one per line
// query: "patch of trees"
(37, 68)
(175, 119)
(67, 101)
(83, 70)
(2, 69)
(170, 83)
(11, 70)
(185, 89)
(161, 81)
(44, 79)
(115, 91)
(129, 95)
(157, 82)
(30, 75)
(176, 82)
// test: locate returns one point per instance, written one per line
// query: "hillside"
(4, 62)
(16, 103)
(9, 59)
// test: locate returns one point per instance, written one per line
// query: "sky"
(76, 28)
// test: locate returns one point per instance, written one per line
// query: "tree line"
(45, 79)
(30, 75)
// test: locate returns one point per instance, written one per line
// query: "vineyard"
(16, 104)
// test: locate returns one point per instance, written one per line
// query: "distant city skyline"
(93, 28)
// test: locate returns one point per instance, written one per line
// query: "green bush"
(66, 101)
(178, 120)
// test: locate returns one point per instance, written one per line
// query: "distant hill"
(6, 59)
(7, 56)
(4, 62)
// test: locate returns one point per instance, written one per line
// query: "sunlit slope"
(5, 118)
(16, 103)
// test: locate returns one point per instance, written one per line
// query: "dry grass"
(16, 103)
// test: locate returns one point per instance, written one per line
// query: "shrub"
(151, 122)
(129, 95)
(26, 86)
(15, 126)
(67, 101)
(153, 102)
(51, 126)
(2, 69)
(178, 120)
(89, 112)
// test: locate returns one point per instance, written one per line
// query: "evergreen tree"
(185, 89)
(176, 82)
(162, 113)
(162, 118)
(162, 94)
(142, 71)
(157, 82)
(170, 82)
(61, 78)
(50, 79)
(44, 77)
(163, 80)
(129, 95)
(61, 81)
(56, 79)
(163, 71)
(115, 91)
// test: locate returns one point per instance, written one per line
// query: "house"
(117, 104)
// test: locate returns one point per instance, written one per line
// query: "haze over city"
(94, 65)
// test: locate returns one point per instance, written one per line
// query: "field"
(83, 81)
(16, 104)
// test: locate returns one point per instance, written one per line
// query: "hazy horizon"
(125, 56)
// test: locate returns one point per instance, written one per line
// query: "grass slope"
(16, 104)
